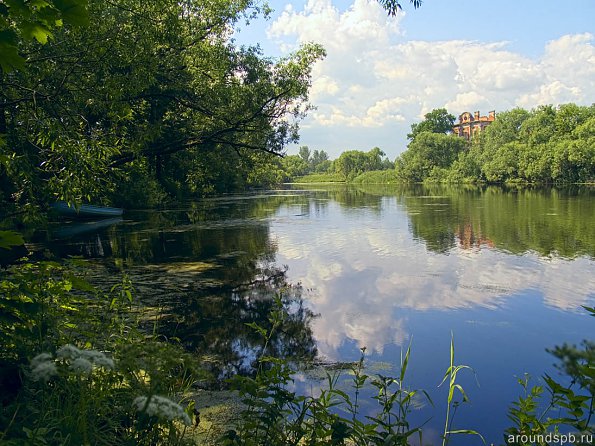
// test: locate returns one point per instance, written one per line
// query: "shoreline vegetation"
(545, 146)
(384, 177)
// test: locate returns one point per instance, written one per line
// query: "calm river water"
(504, 271)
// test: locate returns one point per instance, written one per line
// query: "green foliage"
(319, 161)
(135, 187)
(566, 405)
(352, 163)
(321, 178)
(426, 152)
(436, 121)
(57, 393)
(24, 21)
(155, 84)
(294, 166)
(452, 404)
(544, 146)
(304, 154)
(10, 238)
(377, 177)
(305, 163)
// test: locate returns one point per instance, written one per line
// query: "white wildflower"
(161, 407)
(105, 362)
(42, 357)
(43, 371)
(81, 366)
(68, 351)
(98, 358)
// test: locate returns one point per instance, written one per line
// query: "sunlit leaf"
(36, 31)
(10, 238)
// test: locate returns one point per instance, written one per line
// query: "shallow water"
(504, 271)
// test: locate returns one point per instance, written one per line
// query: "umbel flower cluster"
(72, 360)
(81, 362)
(161, 407)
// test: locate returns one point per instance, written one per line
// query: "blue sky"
(382, 74)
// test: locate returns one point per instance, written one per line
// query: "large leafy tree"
(436, 121)
(148, 89)
(427, 152)
(352, 163)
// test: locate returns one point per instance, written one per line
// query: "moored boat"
(86, 210)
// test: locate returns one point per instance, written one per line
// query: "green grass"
(371, 177)
(378, 177)
(320, 178)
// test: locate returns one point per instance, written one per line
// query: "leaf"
(257, 327)
(39, 4)
(10, 238)
(73, 11)
(80, 284)
(9, 55)
(36, 31)
(467, 432)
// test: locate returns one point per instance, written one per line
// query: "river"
(503, 271)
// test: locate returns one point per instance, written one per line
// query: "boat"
(76, 228)
(86, 210)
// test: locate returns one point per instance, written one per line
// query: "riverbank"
(391, 177)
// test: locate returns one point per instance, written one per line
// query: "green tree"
(539, 127)
(318, 157)
(294, 166)
(436, 121)
(570, 116)
(426, 152)
(153, 83)
(304, 154)
(504, 164)
(352, 163)
(503, 130)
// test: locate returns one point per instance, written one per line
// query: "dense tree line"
(346, 167)
(150, 98)
(547, 145)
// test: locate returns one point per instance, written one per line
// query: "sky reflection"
(379, 276)
(363, 267)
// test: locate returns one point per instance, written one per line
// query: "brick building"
(471, 124)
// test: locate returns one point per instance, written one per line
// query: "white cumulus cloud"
(373, 78)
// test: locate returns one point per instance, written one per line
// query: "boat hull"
(86, 211)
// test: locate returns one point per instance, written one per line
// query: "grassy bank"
(371, 177)
(378, 177)
(320, 178)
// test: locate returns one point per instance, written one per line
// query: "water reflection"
(433, 249)
(202, 272)
(505, 270)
